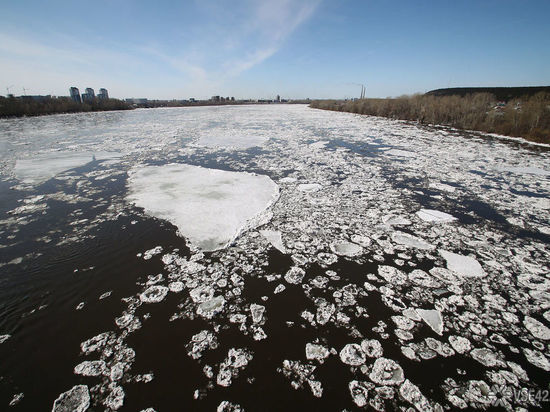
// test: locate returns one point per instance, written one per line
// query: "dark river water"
(362, 263)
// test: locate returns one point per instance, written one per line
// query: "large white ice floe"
(386, 372)
(77, 399)
(434, 216)
(40, 168)
(463, 265)
(408, 240)
(210, 207)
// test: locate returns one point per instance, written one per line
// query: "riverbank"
(29, 106)
(527, 117)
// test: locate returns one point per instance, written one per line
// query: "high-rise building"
(90, 92)
(75, 94)
(103, 94)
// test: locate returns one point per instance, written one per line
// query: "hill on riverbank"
(501, 93)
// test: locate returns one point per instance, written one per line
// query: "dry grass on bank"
(527, 117)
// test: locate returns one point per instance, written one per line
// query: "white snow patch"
(210, 207)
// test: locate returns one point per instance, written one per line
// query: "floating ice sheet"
(434, 216)
(210, 207)
(45, 166)
(463, 265)
(232, 142)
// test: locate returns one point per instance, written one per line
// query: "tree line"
(22, 106)
(527, 117)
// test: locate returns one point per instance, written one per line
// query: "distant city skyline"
(264, 48)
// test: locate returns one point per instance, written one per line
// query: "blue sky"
(258, 49)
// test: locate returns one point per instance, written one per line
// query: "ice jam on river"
(270, 258)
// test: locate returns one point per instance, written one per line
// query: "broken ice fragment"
(410, 392)
(154, 294)
(537, 358)
(315, 351)
(463, 265)
(91, 368)
(433, 319)
(200, 342)
(148, 254)
(176, 287)
(4, 338)
(460, 344)
(352, 354)
(348, 249)
(324, 311)
(486, 357)
(360, 392)
(210, 207)
(309, 187)
(209, 308)
(434, 216)
(274, 237)
(372, 348)
(115, 399)
(77, 399)
(407, 240)
(257, 312)
(226, 406)
(386, 372)
(536, 328)
(279, 289)
(236, 359)
(295, 275)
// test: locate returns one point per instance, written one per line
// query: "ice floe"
(433, 319)
(352, 354)
(154, 294)
(386, 372)
(210, 207)
(435, 216)
(463, 265)
(77, 399)
(40, 168)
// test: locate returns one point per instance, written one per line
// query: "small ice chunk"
(386, 372)
(315, 351)
(392, 275)
(16, 399)
(486, 357)
(463, 265)
(200, 342)
(410, 392)
(536, 328)
(148, 254)
(434, 216)
(352, 354)
(537, 358)
(105, 295)
(433, 319)
(359, 391)
(176, 287)
(279, 289)
(295, 275)
(309, 187)
(90, 368)
(257, 312)
(348, 249)
(115, 399)
(324, 311)
(274, 237)
(372, 348)
(201, 293)
(154, 294)
(77, 399)
(236, 359)
(4, 338)
(460, 343)
(209, 308)
(226, 406)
